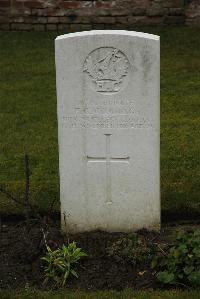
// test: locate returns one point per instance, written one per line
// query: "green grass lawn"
(126, 294)
(28, 118)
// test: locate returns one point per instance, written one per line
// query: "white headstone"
(108, 123)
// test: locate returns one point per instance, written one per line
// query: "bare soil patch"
(22, 246)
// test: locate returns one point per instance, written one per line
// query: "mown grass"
(126, 294)
(28, 117)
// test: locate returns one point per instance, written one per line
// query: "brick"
(4, 19)
(98, 26)
(89, 12)
(154, 21)
(86, 26)
(75, 20)
(51, 27)
(193, 22)
(4, 11)
(134, 4)
(17, 4)
(173, 3)
(19, 26)
(139, 20)
(80, 27)
(51, 3)
(65, 27)
(102, 12)
(116, 26)
(174, 20)
(156, 9)
(105, 20)
(36, 20)
(4, 3)
(65, 20)
(85, 20)
(18, 20)
(120, 12)
(70, 4)
(4, 26)
(60, 27)
(76, 27)
(122, 20)
(86, 4)
(38, 12)
(145, 21)
(81, 12)
(26, 11)
(39, 27)
(48, 12)
(138, 12)
(20, 11)
(176, 12)
(33, 4)
(53, 20)
(104, 4)
(71, 13)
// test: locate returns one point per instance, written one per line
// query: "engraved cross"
(108, 159)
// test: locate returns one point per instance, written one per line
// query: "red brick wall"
(75, 15)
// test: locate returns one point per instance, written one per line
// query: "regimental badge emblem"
(107, 69)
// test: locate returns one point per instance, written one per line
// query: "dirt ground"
(22, 246)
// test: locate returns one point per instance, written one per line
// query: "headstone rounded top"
(109, 32)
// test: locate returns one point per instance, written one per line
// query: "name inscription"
(104, 121)
(111, 114)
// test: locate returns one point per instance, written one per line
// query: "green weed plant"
(179, 263)
(60, 263)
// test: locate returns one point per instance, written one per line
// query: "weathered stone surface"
(108, 120)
